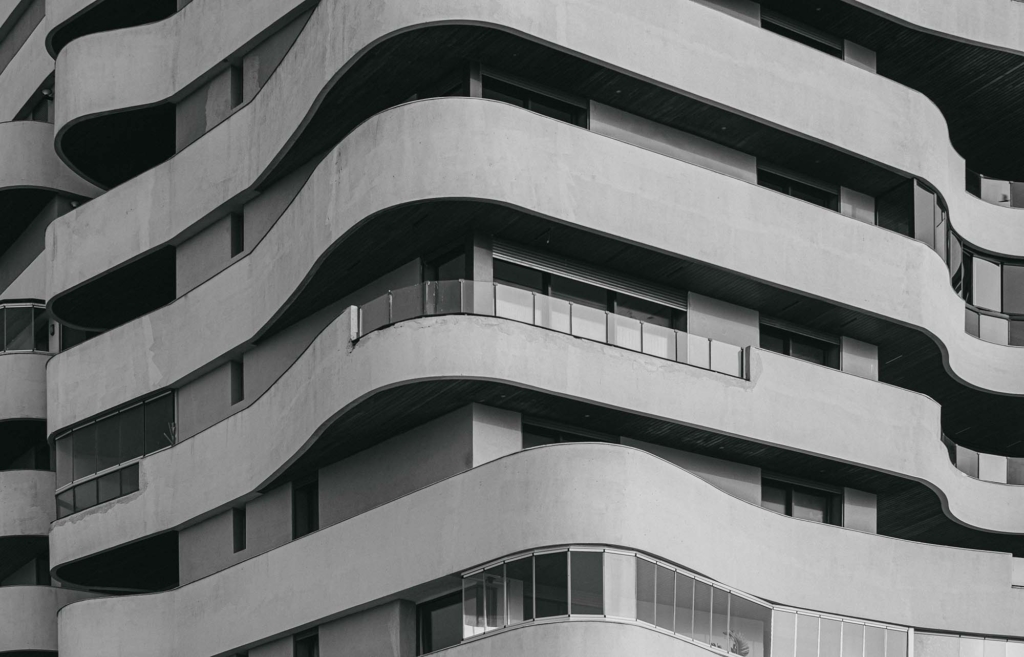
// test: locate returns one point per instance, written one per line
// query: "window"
(307, 645)
(305, 507)
(237, 381)
(535, 101)
(1013, 289)
(238, 529)
(439, 622)
(827, 196)
(105, 444)
(587, 578)
(521, 277)
(800, 501)
(986, 284)
(551, 577)
(805, 34)
(799, 346)
(237, 233)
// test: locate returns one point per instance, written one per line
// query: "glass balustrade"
(24, 327)
(528, 307)
(1006, 193)
(987, 467)
(592, 583)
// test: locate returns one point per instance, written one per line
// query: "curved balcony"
(23, 386)
(26, 503)
(68, 20)
(578, 494)
(292, 94)
(833, 415)
(529, 162)
(28, 617)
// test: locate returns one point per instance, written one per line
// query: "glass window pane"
(580, 293)
(987, 286)
(552, 584)
(1013, 289)
(720, 619)
(18, 329)
(624, 332)
(645, 578)
(619, 585)
(519, 584)
(109, 486)
(1017, 333)
(494, 598)
(130, 479)
(874, 641)
(647, 312)
(551, 313)
(513, 303)
(553, 108)
(702, 612)
(993, 329)
(589, 323)
(924, 215)
(784, 634)
(773, 498)
(809, 505)
(665, 607)
(85, 495)
(473, 605)
(972, 323)
(804, 350)
(133, 432)
(806, 636)
(85, 451)
(64, 460)
(895, 643)
(160, 427)
(750, 627)
(40, 330)
(853, 639)
(830, 638)
(518, 276)
(66, 503)
(972, 647)
(107, 442)
(684, 605)
(504, 92)
(587, 582)
(1015, 649)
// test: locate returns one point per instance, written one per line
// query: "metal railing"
(582, 321)
(986, 467)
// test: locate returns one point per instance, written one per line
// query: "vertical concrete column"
(722, 321)
(385, 631)
(860, 510)
(480, 270)
(496, 433)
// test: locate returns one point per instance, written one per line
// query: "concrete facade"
(335, 330)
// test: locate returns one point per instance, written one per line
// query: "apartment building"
(511, 327)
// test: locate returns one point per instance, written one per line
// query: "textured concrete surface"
(29, 161)
(26, 503)
(575, 493)
(28, 616)
(23, 386)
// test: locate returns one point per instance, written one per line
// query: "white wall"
(722, 321)
(737, 479)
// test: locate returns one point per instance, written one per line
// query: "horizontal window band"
(797, 329)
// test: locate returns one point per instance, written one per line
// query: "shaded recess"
(148, 565)
(17, 437)
(978, 89)
(107, 15)
(111, 149)
(121, 294)
(980, 420)
(906, 509)
(16, 551)
(18, 208)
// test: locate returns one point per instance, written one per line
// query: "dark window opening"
(237, 381)
(534, 101)
(237, 233)
(439, 623)
(451, 266)
(798, 189)
(305, 507)
(307, 645)
(238, 529)
(72, 337)
(800, 346)
(805, 34)
(535, 436)
(804, 502)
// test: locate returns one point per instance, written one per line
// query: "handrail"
(582, 321)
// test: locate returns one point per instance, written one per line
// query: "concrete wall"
(858, 358)
(259, 63)
(26, 503)
(575, 493)
(208, 546)
(23, 386)
(745, 10)
(385, 631)
(860, 56)
(204, 401)
(207, 106)
(19, 82)
(12, 39)
(722, 321)
(28, 616)
(632, 129)
(742, 481)
(860, 510)
(25, 250)
(284, 647)
(441, 448)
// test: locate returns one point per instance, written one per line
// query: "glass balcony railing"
(24, 327)
(929, 645)
(986, 467)
(582, 321)
(587, 583)
(998, 192)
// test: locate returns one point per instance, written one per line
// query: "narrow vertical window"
(238, 528)
(305, 507)
(665, 595)
(307, 645)
(587, 578)
(552, 584)
(519, 584)
(237, 233)
(645, 576)
(237, 381)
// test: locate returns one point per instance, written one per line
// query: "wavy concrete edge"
(750, 70)
(26, 503)
(27, 160)
(28, 616)
(575, 494)
(23, 386)
(23, 76)
(988, 23)
(500, 154)
(860, 422)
